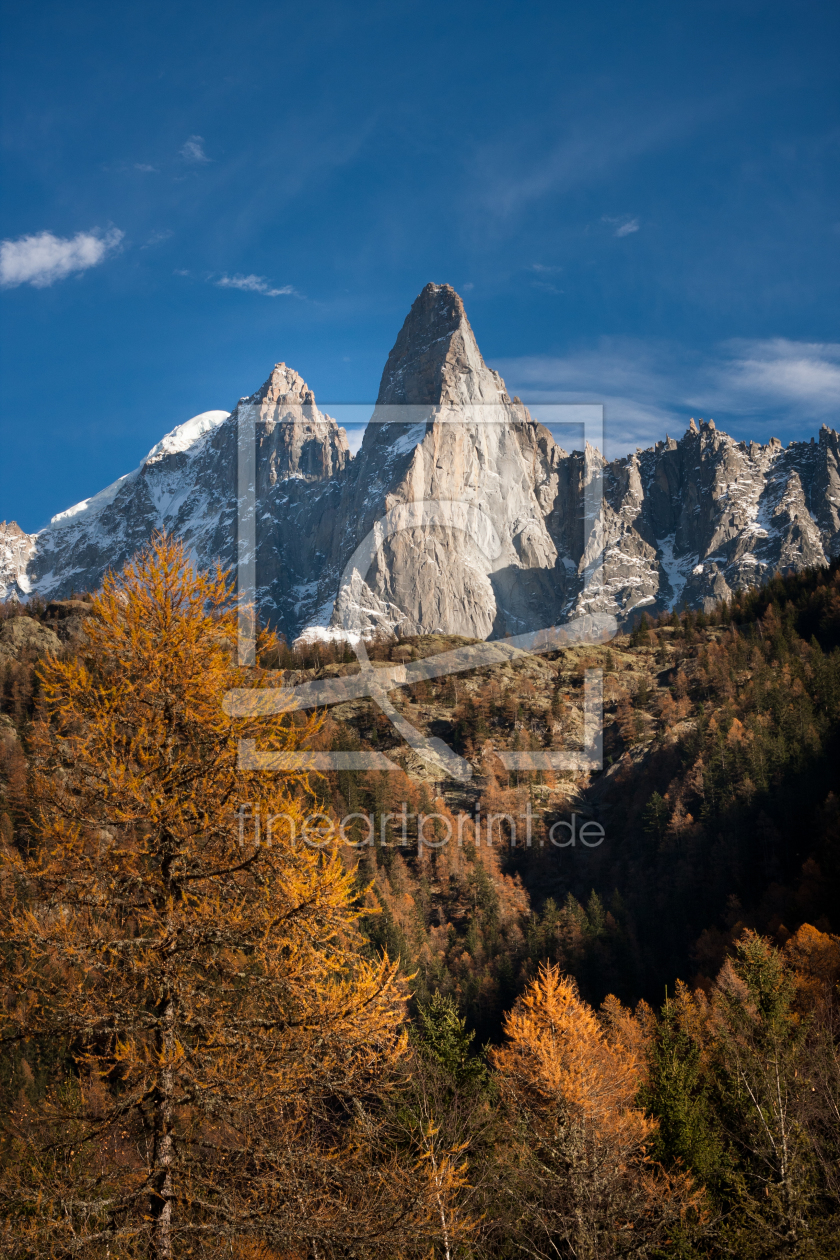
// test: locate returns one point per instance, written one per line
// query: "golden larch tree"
(585, 1184)
(193, 995)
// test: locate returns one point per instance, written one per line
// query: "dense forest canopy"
(547, 1013)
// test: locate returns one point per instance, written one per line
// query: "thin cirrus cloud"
(759, 388)
(623, 226)
(784, 372)
(192, 150)
(521, 166)
(43, 258)
(157, 238)
(255, 284)
(543, 272)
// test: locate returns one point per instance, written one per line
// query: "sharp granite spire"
(687, 521)
(436, 359)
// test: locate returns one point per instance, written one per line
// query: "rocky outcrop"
(68, 618)
(16, 548)
(25, 634)
(691, 521)
(460, 514)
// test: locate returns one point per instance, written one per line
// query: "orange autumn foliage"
(815, 958)
(560, 1051)
(588, 1186)
(217, 1035)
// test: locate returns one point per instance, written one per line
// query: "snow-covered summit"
(185, 485)
(185, 437)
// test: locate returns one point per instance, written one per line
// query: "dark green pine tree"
(678, 1094)
(443, 1036)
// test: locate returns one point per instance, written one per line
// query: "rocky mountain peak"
(295, 439)
(436, 359)
(687, 521)
(284, 386)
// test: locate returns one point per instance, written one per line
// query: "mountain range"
(460, 513)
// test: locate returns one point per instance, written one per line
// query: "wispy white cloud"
(255, 284)
(524, 165)
(543, 272)
(751, 388)
(779, 371)
(144, 167)
(157, 238)
(622, 226)
(192, 150)
(42, 259)
(622, 375)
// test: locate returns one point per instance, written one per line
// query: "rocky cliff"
(16, 548)
(460, 513)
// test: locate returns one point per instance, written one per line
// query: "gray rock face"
(16, 548)
(459, 514)
(20, 633)
(294, 438)
(68, 617)
(450, 473)
(692, 521)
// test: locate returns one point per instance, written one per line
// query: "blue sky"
(638, 203)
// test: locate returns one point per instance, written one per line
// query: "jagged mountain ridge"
(498, 548)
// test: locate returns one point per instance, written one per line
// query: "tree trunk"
(164, 1147)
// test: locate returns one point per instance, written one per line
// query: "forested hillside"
(719, 803)
(563, 1015)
